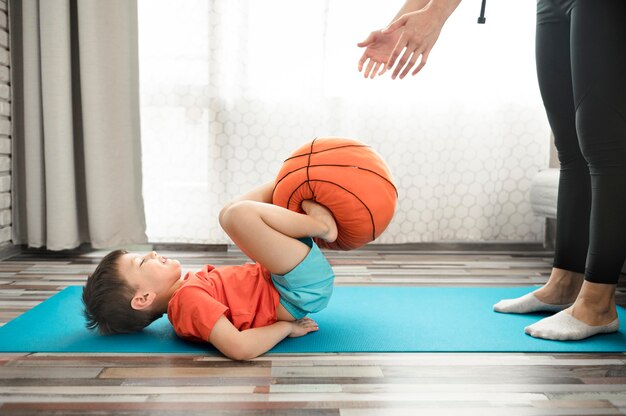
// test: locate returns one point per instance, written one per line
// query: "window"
(229, 88)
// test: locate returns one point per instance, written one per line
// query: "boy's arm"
(248, 344)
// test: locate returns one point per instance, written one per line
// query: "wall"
(5, 130)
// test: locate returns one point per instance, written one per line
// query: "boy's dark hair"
(107, 296)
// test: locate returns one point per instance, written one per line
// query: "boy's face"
(149, 273)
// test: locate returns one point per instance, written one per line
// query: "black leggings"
(581, 66)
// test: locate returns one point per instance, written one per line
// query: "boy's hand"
(302, 327)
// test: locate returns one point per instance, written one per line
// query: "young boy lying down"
(242, 310)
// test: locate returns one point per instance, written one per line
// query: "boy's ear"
(142, 300)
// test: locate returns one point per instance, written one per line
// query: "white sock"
(563, 326)
(527, 304)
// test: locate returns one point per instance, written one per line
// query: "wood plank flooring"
(306, 384)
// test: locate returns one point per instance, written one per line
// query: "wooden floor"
(320, 384)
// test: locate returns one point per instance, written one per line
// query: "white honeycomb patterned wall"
(463, 140)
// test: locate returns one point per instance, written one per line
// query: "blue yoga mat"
(358, 319)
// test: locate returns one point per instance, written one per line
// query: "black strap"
(482, 19)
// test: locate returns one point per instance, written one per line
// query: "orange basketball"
(347, 177)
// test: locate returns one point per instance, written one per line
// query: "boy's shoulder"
(194, 308)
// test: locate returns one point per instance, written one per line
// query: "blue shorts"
(308, 286)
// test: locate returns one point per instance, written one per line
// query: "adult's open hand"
(378, 48)
(419, 31)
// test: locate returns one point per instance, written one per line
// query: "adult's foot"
(565, 327)
(557, 294)
(593, 312)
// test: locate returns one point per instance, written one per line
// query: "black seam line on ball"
(325, 150)
(351, 193)
(338, 166)
(308, 164)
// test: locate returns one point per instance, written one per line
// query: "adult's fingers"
(362, 61)
(422, 62)
(370, 65)
(375, 70)
(400, 44)
(410, 64)
(405, 57)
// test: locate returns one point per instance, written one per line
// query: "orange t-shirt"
(244, 294)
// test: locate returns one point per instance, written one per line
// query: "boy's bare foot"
(322, 214)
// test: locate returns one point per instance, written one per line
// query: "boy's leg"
(268, 233)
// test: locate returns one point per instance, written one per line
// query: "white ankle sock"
(564, 326)
(527, 304)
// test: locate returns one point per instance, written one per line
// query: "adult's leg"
(553, 59)
(554, 74)
(268, 233)
(598, 47)
(599, 79)
(552, 49)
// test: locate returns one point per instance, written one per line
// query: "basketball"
(346, 176)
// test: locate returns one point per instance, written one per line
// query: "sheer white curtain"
(229, 88)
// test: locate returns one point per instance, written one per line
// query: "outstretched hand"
(418, 33)
(302, 327)
(378, 48)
